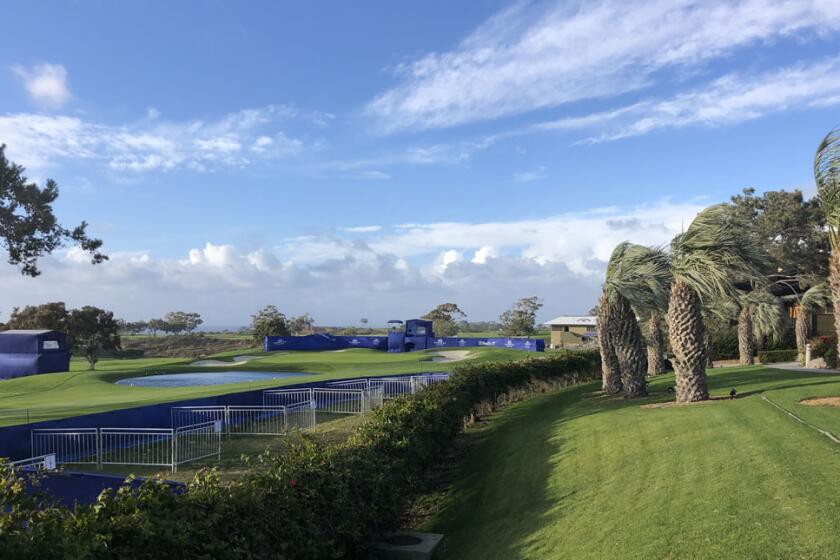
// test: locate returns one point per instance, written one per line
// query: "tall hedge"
(307, 502)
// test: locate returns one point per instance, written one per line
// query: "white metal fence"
(287, 397)
(196, 431)
(196, 442)
(154, 447)
(40, 463)
(74, 446)
(256, 420)
(151, 447)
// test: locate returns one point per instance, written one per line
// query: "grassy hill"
(576, 475)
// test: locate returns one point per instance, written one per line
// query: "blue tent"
(25, 353)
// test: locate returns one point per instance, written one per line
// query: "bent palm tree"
(814, 298)
(610, 368)
(827, 176)
(656, 344)
(636, 282)
(706, 260)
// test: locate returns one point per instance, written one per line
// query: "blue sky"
(374, 159)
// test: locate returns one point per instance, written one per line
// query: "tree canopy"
(789, 228)
(268, 321)
(92, 330)
(521, 319)
(28, 227)
(445, 318)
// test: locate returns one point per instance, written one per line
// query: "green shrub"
(776, 356)
(305, 503)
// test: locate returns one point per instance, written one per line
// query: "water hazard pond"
(205, 378)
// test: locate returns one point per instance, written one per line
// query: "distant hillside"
(182, 346)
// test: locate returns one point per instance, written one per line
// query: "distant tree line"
(174, 322)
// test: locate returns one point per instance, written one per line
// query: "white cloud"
(362, 229)
(376, 175)
(152, 113)
(237, 139)
(730, 99)
(45, 83)
(536, 55)
(536, 174)
(400, 273)
(483, 254)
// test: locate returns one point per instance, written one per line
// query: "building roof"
(586, 321)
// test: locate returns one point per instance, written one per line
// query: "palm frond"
(827, 177)
(714, 252)
(815, 297)
(769, 318)
(640, 274)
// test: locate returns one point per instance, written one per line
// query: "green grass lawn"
(58, 395)
(576, 475)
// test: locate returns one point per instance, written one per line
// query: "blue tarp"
(26, 352)
(318, 342)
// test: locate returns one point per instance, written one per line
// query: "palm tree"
(656, 343)
(814, 298)
(636, 282)
(761, 315)
(827, 176)
(706, 260)
(610, 368)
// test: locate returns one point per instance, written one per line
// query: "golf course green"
(80, 391)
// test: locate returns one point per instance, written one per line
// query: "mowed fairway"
(58, 395)
(576, 475)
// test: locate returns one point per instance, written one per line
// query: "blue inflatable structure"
(24, 352)
(416, 334)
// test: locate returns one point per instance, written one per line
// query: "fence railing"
(40, 463)
(71, 446)
(152, 447)
(196, 442)
(196, 431)
(256, 420)
(287, 397)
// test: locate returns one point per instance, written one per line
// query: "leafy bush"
(776, 356)
(305, 503)
(724, 343)
(825, 347)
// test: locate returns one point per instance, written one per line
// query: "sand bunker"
(822, 401)
(237, 360)
(444, 356)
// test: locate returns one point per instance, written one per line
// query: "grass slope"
(575, 475)
(58, 395)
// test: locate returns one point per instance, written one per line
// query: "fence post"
(227, 421)
(31, 444)
(174, 457)
(285, 420)
(98, 449)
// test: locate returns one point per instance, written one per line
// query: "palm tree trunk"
(688, 341)
(610, 368)
(656, 346)
(834, 284)
(746, 340)
(627, 341)
(710, 350)
(802, 323)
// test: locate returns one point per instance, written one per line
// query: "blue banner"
(319, 342)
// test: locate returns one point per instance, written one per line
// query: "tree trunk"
(834, 283)
(746, 340)
(656, 347)
(710, 350)
(803, 321)
(688, 341)
(627, 341)
(610, 368)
